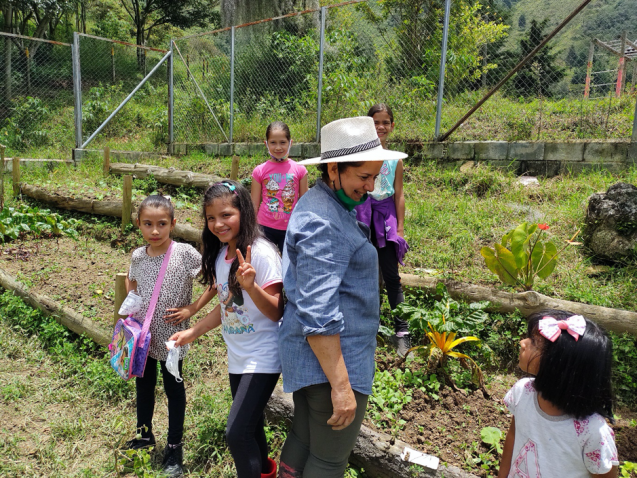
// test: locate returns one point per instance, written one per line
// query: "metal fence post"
(320, 75)
(231, 138)
(443, 61)
(171, 101)
(77, 88)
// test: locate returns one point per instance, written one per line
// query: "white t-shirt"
(251, 337)
(547, 446)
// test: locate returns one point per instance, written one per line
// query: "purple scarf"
(381, 217)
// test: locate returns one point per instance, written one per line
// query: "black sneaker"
(173, 463)
(139, 443)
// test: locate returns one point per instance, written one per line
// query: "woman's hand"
(246, 273)
(184, 337)
(178, 315)
(344, 405)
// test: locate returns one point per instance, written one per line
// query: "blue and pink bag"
(131, 340)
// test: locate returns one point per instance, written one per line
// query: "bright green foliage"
(492, 436)
(136, 461)
(628, 469)
(26, 125)
(441, 328)
(22, 220)
(521, 256)
(388, 396)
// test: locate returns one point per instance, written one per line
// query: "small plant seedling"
(492, 436)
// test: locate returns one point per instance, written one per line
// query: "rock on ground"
(610, 230)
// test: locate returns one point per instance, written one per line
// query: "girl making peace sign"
(250, 307)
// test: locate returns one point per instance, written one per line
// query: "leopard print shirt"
(176, 291)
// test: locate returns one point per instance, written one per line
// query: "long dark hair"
(575, 376)
(249, 231)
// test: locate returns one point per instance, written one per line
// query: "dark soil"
(450, 427)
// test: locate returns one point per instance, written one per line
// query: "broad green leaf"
(507, 261)
(494, 265)
(549, 261)
(519, 245)
(491, 435)
(536, 257)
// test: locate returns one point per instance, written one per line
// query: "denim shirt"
(330, 276)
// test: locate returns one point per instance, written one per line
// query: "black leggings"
(244, 431)
(388, 263)
(275, 236)
(176, 393)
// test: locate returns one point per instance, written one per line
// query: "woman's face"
(355, 181)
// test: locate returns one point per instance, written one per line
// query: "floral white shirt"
(547, 446)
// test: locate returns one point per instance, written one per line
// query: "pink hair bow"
(551, 328)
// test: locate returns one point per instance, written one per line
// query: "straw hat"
(350, 140)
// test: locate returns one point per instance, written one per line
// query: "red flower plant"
(544, 227)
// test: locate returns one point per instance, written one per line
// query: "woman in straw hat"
(330, 273)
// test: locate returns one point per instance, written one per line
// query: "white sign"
(420, 458)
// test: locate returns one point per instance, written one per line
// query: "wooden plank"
(127, 201)
(107, 160)
(120, 294)
(16, 177)
(234, 174)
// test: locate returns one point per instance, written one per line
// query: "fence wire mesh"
(109, 73)
(36, 103)
(275, 76)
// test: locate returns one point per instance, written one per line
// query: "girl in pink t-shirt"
(277, 184)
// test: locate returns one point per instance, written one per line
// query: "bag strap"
(155, 296)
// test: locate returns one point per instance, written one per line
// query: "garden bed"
(408, 402)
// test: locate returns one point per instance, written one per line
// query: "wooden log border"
(616, 320)
(166, 175)
(377, 452)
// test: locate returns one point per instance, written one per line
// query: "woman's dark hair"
(275, 126)
(159, 202)
(249, 231)
(575, 376)
(342, 167)
(378, 107)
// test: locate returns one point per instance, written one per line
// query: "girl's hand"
(182, 338)
(246, 273)
(178, 315)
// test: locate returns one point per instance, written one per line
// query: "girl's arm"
(255, 193)
(399, 198)
(209, 322)
(130, 284)
(179, 314)
(303, 186)
(507, 452)
(269, 300)
(613, 473)
(327, 349)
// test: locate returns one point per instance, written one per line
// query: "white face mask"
(274, 158)
(172, 362)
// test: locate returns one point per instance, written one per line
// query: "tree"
(522, 22)
(236, 12)
(413, 31)
(149, 14)
(538, 75)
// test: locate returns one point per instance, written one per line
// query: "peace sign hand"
(246, 273)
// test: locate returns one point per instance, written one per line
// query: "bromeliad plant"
(523, 255)
(441, 325)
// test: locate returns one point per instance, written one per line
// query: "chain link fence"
(36, 99)
(309, 68)
(110, 71)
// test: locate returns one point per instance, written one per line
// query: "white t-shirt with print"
(251, 338)
(556, 446)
